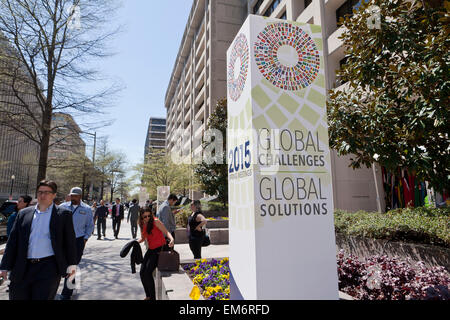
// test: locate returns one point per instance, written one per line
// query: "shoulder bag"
(169, 260)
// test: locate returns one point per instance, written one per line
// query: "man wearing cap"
(83, 223)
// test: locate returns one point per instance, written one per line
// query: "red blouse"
(155, 239)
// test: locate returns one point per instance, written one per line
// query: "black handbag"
(206, 240)
(169, 261)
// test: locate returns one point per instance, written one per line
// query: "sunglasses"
(145, 217)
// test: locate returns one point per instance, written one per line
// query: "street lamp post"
(13, 177)
(91, 187)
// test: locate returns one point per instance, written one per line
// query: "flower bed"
(383, 278)
(211, 277)
(376, 278)
(217, 218)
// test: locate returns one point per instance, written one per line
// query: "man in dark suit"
(41, 248)
(100, 215)
(117, 216)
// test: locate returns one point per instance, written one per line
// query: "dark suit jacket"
(62, 235)
(121, 213)
(136, 254)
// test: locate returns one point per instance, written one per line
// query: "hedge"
(417, 225)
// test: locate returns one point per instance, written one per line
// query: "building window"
(347, 9)
(271, 8)
(307, 3)
(284, 16)
(257, 6)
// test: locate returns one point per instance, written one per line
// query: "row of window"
(345, 9)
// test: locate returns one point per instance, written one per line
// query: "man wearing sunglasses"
(41, 248)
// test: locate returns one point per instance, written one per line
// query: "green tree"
(214, 177)
(394, 109)
(159, 170)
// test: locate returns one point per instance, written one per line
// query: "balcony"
(334, 42)
(200, 80)
(187, 117)
(200, 97)
(202, 57)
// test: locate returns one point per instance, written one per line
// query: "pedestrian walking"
(100, 216)
(94, 208)
(196, 222)
(83, 223)
(117, 216)
(41, 248)
(153, 232)
(167, 216)
(133, 215)
(22, 203)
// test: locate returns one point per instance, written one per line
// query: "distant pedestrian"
(118, 215)
(23, 202)
(153, 232)
(196, 222)
(133, 215)
(167, 216)
(100, 216)
(41, 248)
(83, 222)
(94, 208)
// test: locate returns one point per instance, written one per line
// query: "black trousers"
(40, 283)
(195, 244)
(147, 267)
(67, 293)
(134, 228)
(116, 226)
(101, 223)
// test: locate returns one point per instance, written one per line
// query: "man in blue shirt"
(41, 248)
(83, 223)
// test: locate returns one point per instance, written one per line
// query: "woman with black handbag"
(196, 222)
(153, 232)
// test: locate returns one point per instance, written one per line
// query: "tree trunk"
(43, 153)
(101, 190)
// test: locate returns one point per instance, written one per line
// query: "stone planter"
(432, 256)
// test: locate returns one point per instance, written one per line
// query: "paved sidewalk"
(107, 276)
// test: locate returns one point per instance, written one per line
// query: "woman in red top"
(153, 232)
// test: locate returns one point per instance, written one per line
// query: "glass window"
(307, 3)
(273, 6)
(346, 9)
(283, 16)
(257, 6)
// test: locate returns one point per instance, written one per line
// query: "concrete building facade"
(199, 79)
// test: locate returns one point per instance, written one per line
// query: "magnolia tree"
(394, 108)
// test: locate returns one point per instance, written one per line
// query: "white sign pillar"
(282, 241)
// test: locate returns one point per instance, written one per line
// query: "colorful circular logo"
(287, 56)
(238, 67)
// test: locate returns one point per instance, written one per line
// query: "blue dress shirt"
(83, 219)
(40, 243)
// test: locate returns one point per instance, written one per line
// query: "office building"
(199, 79)
(156, 137)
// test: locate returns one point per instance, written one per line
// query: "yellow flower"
(214, 268)
(227, 290)
(218, 289)
(203, 261)
(195, 293)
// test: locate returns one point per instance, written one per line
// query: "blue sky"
(144, 60)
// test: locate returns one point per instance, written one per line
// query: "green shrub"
(419, 225)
